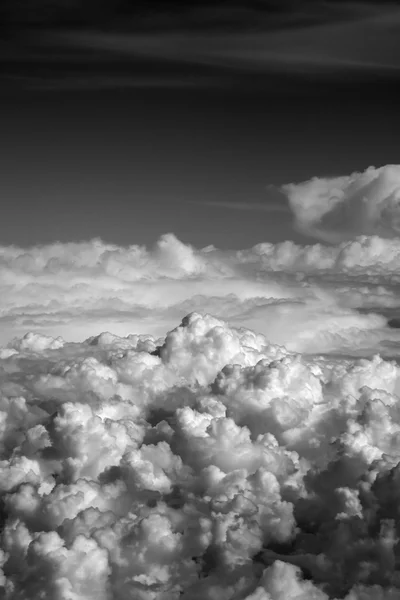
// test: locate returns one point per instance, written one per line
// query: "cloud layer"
(182, 423)
(214, 465)
(310, 299)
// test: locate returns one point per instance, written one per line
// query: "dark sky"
(126, 124)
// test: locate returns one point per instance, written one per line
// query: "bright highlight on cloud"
(339, 208)
(197, 424)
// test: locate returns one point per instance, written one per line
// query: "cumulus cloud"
(207, 464)
(310, 299)
(338, 208)
(214, 424)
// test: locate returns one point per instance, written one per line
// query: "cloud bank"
(214, 465)
(310, 299)
(182, 423)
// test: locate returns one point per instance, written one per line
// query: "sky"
(194, 116)
(199, 300)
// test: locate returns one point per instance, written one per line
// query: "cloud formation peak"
(334, 209)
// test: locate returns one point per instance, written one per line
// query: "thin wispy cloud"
(326, 38)
(364, 43)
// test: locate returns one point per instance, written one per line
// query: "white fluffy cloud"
(251, 452)
(209, 464)
(306, 298)
(339, 208)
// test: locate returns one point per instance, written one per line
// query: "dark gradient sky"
(127, 146)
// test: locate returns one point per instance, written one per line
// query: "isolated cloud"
(340, 208)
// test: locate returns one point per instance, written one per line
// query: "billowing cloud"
(339, 208)
(212, 465)
(182, 423)
(310, 299)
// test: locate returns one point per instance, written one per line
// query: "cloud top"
(339, 208)
(212, 465)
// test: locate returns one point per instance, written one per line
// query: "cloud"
(338, 208)
(310, 299)
(232, 39)
(214, 465)
(300, 40)
(245, 446)
(77, 288)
